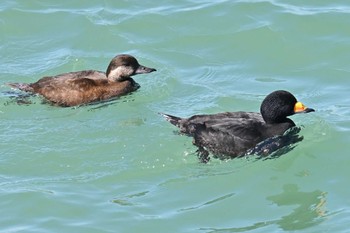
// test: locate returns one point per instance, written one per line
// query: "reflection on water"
(309, 211)
(20, 98)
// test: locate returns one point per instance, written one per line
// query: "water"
(120, 168)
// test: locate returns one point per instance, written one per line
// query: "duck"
(88, 86)
(229, 135)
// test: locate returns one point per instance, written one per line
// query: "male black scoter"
(83, 87)
(233, 134)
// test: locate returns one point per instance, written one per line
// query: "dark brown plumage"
(232, 134)
(82, 87)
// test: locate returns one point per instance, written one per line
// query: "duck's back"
(228, 134)
(62, 78)
(231, 136)
(234, 137)
(77, 88)
(188, 125)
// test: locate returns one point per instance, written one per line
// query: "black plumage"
(234, 134)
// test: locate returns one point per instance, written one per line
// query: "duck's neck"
(273, 129)
(277, 120)
(289, 121)
(280, 121)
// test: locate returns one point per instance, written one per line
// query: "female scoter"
(232, 134)
(82, 87)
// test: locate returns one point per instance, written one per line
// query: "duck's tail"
(21, 86)
(172, 119)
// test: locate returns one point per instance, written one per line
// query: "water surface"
(119, 167)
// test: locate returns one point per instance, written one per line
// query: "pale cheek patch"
(120, 73)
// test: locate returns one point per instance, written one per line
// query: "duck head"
(123, 66)
(279, 104)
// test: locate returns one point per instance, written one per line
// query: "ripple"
(219, 199)
(126, 200)
(118, 167)
(27, 62)
(311, 10)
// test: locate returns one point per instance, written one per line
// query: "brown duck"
(88, 86)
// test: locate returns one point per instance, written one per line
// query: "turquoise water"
(119, 167)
